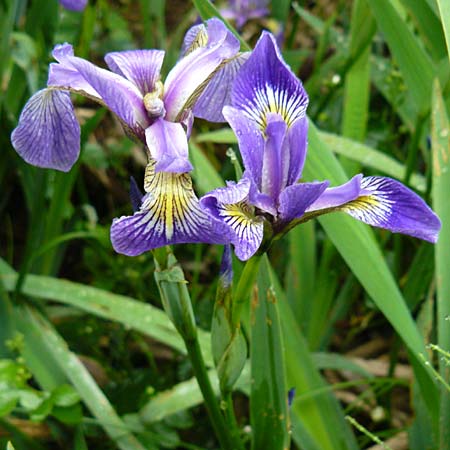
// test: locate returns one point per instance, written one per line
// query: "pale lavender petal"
(63, 75)
(187, 80)
(169, 214)
(167, 142)
(229, 206)
(74, 5)
(295, 199)
(266, 84)
(218, 92)
(48, 133)
(387, 203)
(337, 196)
(142, 67)
(243, 10)
(194, 38)
(120, 95)
(251, 142)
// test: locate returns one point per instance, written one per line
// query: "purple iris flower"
(241, 11)
(74, 5)
(160, 115)
(268, 115)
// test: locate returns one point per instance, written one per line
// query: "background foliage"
(95, 363)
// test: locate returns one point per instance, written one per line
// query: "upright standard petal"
(167, 142)
(230, 207)
(265, 84)
(385, 203)
(187, 80)
(74, 5)
(142, 67)
(218, 91)
(169, 214)
(48, 133)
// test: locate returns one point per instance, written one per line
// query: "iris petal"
(230, 207)
(169, 214)
(142, 67)
(266, 84)
(74, 5)
(48, 133)
(382, 202)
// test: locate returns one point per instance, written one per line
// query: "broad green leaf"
(416, 66)
(137, 315)
(370, 157)
(444, 11)
(83, 382)
(268, 397)
(441, 189)
(356, 244)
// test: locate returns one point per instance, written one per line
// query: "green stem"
(230, 418)
(244, 288)
(215, 415)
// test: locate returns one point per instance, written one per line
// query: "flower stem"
(244, 288)
(212, 406)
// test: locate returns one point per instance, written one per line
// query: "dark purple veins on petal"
(48, 133)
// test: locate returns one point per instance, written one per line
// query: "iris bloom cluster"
(74, 5)
(265, 104)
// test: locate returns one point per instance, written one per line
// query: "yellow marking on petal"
(200, 40)
(172, 203)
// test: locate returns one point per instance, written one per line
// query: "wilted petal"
(167, 142)
(169, 214)
(187, 80)
(266, 84)
(385, 203)
(295, 199)
(230, 207)
(218, 92)
(251, 142)
(74, 5)
(142, 67)
(48, 133)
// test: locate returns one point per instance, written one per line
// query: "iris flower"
(159, 115)
(268, 116)
(241, 11)
(74, 5)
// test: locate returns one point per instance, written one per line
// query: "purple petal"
(186, 81)
(276, 157)
(382, 202)
(251, 142)
(74, 5)
(142, 67)
(338, 196)
(169, 214)
(48, 133)
(63, 75)
(167, 142)
(298, 146)
(194, 38)
(266, 84)
(136, 195)
(387, 203)
(218, 92)
(295, 199)
(229, 206)
(243, 10)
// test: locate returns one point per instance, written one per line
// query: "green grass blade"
(268, 398)
(370, 157)
(416, 66)
(204, 174)
(441, 189)
(444, 11)
(83, 382)
(356, 244)
(137, 315)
